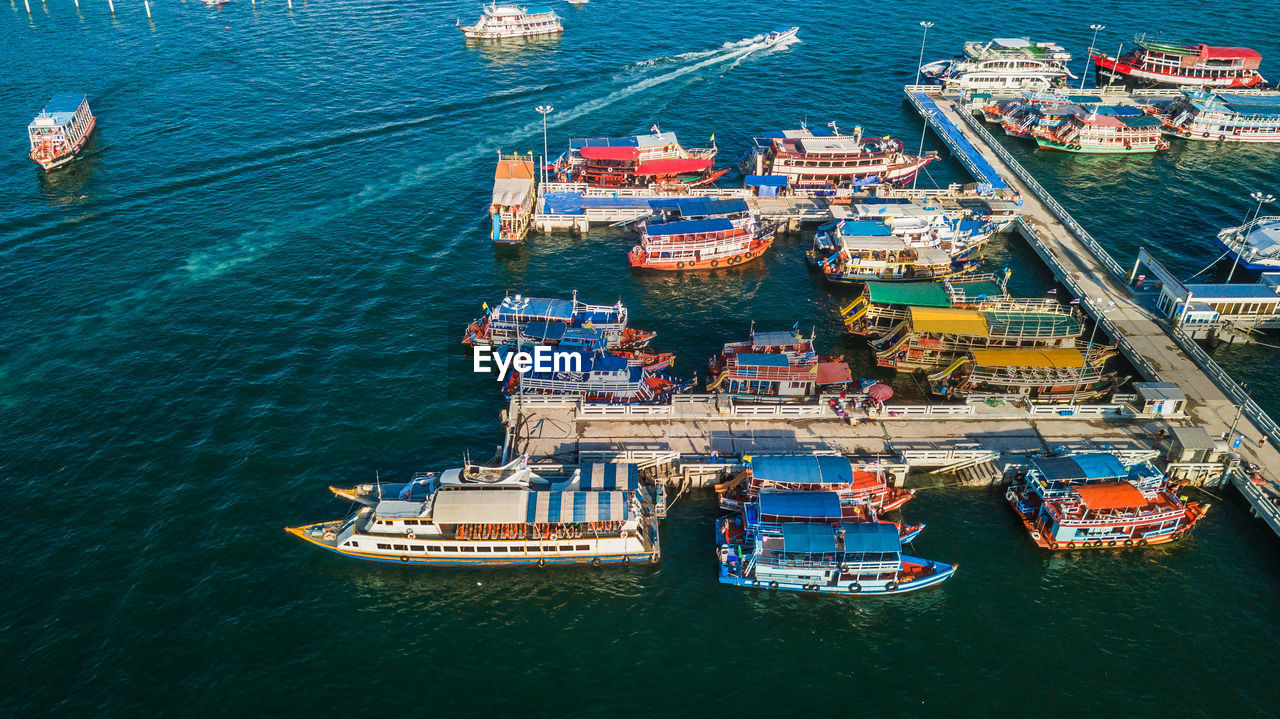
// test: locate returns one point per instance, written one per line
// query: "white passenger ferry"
(1003, 64)
(504, 515)
(504, 21)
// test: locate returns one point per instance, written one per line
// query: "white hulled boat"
(1002, 64)
(504, 21)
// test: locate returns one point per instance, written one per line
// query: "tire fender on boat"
(1035, 534)
(1128, 542)
(595, 561)
(1142, 542)
(623, 534)
(542, 561)
(773, 584)
(892, 585)
(404, 559)
(855, 588)
(1071, 545)
(680, 265)
(410, 534)
(715, 263)
(1054, 545)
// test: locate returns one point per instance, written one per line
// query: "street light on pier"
(1243, 233)
(1087, 58)
(545, 110)
(1100, 311)
(926, 25)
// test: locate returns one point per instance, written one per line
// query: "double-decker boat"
(708, 234)
(856, 483)
(1058, 374)
(846, 558)
(1206, 115)
(1116, 129)
(507, 21)
(517, 320)
(594, 377)
(1093, 501)
(776, 366)
(656, 160)
(1255, 244)
(821, 161)
(929, 338)
(1174, 63)
(857, 251)
(59, 132)
(505, 515)
(511, 209)
(765, 515)
(882, 306)
(1002, 65)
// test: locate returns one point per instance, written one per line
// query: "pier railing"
(1043, 195)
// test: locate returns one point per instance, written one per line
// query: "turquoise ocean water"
(251, 285)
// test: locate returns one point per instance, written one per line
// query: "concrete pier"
(1158, 350)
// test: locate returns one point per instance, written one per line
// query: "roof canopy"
(689, 227)
(865, 228)
(1079, 467)
(808, 538)
(752, 359)
(949, 321)
(802, 469)
(1110, 495)
(673, 165)
(920, 294)
(1054, 357)
(479, 505)
(544, 507)
(766, 181)
(608, 475)
(871, 537)
(703, 208)
(536, 307)
(811, 505)
(833, 373)
(777, 338)
(616, 152)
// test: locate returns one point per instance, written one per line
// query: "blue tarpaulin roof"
(1079, 467)
(688, 227)
(808, 538)
(776, 339)
(813, 505)
(871, 537)
(864, 228)
(536, 307)
(609, 475)
(64, 102)
(551, 331)
(750, 359)
(802, 469)
(766, 181)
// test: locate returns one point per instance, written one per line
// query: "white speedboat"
(778, 36)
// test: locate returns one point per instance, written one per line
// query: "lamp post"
(1261, 199)
(926, 25)
(923, 130)
(1101, 311)
(545, 110)
(1087, 58)
(1231, 433)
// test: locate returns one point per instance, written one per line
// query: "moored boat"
(776, 367)
(595, 377)
(883, 305)
(655, 160)
(855, 482)
(509, 21)
(1207, 115)
(1101, 129)
(476, 516)
(850, 559)
(511, 209)
(58, 133)
(1255, 245)
(822, 161)
(1093, 501)
(508, 323)
(722, 233)
(1175, 63)
(1056, 374)
(1002, 65)
(856, 251)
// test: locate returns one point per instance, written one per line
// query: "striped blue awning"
(609, 475)
(554, 507)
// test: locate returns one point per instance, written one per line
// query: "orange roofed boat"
(511, 210)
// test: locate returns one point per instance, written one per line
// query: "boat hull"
(755, 252)
(849, 588)
(49, 164)
(1087, 150)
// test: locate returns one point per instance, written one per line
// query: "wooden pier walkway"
(1152, 345)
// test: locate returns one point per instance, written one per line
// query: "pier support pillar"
(111, 5)
(28, 4)
(147, 4)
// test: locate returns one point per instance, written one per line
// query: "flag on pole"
(654, 128)
(1076, 301)
(1053, 291)
(713, 138)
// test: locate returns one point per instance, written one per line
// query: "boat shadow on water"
(65, 186)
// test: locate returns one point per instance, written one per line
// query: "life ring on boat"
(404, 559)
(844, 568)
(623, 534)
(1142, 541)
(1128, 146)
(330, 536)
(812, 588)
(1128, 542)
(773, 584)
(715, 263)
(554, 535)
(1035, 534)
(410, 534)
(680, 265)
(653, 558)
(746, 257)
(1096, 543)
(595, 561)
(855, 588)
(892, 585)
(1111, 543)
(542, 561)
(1205, 135)
(1071, 545)
(1073, 146)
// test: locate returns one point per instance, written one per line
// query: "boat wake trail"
(255, 243)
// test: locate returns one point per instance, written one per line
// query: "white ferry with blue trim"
(508, 21)
(500, 516)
